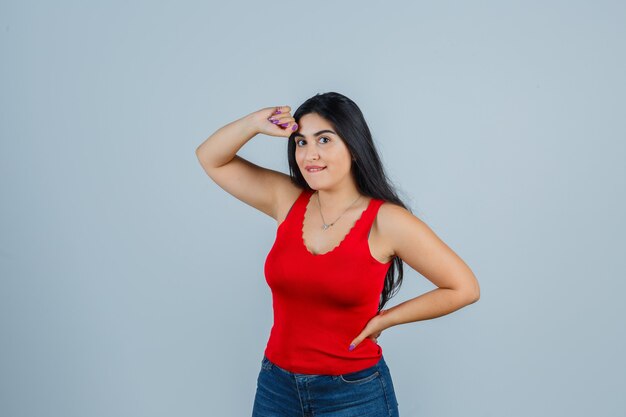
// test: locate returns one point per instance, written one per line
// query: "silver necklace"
(324, 224)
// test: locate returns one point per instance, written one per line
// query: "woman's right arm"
(259, 187)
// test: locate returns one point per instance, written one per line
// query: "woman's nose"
(311, 154)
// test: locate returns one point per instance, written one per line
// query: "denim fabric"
(365, 393)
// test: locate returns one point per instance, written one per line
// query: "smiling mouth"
(314, 170)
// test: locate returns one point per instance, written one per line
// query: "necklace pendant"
(325, 226)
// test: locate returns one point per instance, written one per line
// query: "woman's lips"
(314, 171)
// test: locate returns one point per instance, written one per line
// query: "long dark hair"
(348, 121)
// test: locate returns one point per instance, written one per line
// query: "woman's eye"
(321, 137)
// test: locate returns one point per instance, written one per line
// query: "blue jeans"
(365, 393)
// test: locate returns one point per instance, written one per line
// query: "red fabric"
(322, 302)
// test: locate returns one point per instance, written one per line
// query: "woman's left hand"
(372, 330)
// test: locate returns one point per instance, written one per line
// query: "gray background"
(132, 285)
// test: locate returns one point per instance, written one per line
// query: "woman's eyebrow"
(316, 134)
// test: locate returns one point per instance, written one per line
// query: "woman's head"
(347, 150)
(318, 144)
(345, 147)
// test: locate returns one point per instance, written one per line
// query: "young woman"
(342, 233)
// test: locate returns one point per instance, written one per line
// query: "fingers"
(282, 118)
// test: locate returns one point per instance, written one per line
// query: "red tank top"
(322, 302)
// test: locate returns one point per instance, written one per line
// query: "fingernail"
(284, 124)
(277, 112)
(294, 127)
(352, 346)
(275, 121)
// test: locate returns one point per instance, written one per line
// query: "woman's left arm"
(418, 246)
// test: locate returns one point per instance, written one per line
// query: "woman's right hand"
(284, 124)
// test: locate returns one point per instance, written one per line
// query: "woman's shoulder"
(391, 209)
(392, 216)
(285, 200)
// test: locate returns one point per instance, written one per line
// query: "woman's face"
(317, 144)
